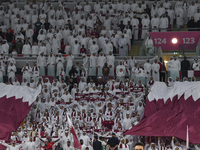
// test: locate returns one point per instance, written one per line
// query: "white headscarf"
(170, 82)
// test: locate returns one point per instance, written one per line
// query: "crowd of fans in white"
(41, 29)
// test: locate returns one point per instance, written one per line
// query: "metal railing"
(20, 61)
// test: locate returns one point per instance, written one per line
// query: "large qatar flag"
(169, 110)
(15, 104)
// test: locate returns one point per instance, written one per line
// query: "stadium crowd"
(35, 28)
(97, 103)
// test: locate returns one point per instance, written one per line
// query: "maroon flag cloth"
(15, 104)
(169, 110)
(71, 127)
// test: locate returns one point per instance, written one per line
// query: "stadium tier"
(99, 75)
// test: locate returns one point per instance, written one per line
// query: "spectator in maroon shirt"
(94, 33)
(83, 50)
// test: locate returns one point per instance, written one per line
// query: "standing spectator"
(185, 66)
(11, 71)
(179, 17)
(123, 49)
(93, 65)
(176, 68)
(5, 47)
(110, 62)
(105, 71)
(27, 71)
(97, 145)
(1, 72)
(162, 69)
(192, 10)
(83, 50)
(51, 62)
(59, 61)
(148, 10)
(19, 42)
(121, 25)
(121, 75)
(155, 70)
(101, 59)
(113, 142)
(29, 34)
(26, 50)
(147, 69)
(38, 25)
(69, 64)
(135, 26)
(155, 23)
(35, 71)
(9, 38)
(171, 14)
(61, 74)
(164, 23)
(73, 72)
(41, 62)
(35, 49)
(196, 65)
(145, 26)
(140, 74)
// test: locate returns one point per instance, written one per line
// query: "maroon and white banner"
(169, 110)
(15, 104)
(171, 40)
(71, 127)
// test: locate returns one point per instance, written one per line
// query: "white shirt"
(126, 123)
(155, 22)
(147, 69)
(110, 60)
(85, 139)
(101, 60)
(196, 66)
(26, 49)
(107, 48)
(93, 61)
(164, 22)
(69, 60)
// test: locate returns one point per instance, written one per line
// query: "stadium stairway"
(135, 48)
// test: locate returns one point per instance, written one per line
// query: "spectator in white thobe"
(147, 69)
(11, 71)
(155, 70)
(164, 23)
(145, 26)
(101, 60)
(26, 50)
(135, 27)
(123, 46)
(155, 23)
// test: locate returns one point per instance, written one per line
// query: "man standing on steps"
(185, 66)
(113, 142)
(162, 69)
(105, 71)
